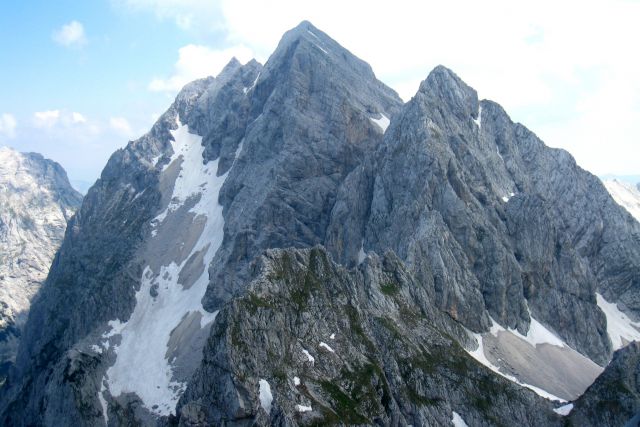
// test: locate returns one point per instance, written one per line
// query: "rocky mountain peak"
(444, 86)
(291, 245)
(36, 200)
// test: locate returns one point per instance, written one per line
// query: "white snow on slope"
(479, 355)
(626, 195)
(141, 365)
(361, 254)
(458, 421)
(478, 122)
(326, 346)
(302, 408)
(537, 333)
(564, 410)
(310, 358)
(619, 326)
(382, 122)
(266, 398)
(247, 89)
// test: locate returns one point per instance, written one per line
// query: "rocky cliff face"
(338, 346)
(614, 398)
(444, 235)
(36, 201)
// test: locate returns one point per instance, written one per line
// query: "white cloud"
(78, 118)
(70, 35)
(194, 62)
(198, 15)
(46, 119)
(120, 125)
(61, 119)
(8, 125)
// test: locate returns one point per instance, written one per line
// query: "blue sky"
(79, 79)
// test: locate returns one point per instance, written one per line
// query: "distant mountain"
(626, 195)
(36, 201)
(629, 179)
(290, 244)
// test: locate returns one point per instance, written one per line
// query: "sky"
(80, 79)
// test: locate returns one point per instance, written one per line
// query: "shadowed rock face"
(36, 201)
(451, 219)
(614, 398)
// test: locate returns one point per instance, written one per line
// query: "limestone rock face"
(614, 398)
(291, 245)
(352, 347)
(501, 226)
(36, 201)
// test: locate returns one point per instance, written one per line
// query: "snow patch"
(247, 89)
(478, 122)
(302, 408)
(141, 364)
(537, 333)
(296, 381)
(310, 32)
(457, 420)
(332, 337)
(619, 327)
(310, 358)
(564, 410)
(626, 195)
(96, 349)
(320, 47)
(505, 199)
(382, 122)
(103, 403)
(361, 253)
(266, 398)
(325, 345)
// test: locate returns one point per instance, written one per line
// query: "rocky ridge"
(442, 221)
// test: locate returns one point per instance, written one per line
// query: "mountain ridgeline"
(290, 244)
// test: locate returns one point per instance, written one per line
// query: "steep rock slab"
(499, 225)
(36, 201)
(311, 124)
(614, 398)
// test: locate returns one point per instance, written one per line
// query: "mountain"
(36, 201)
(626, 195)
(290, 244)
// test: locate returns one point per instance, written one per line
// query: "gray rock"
(36, 200)
(614, 398)
(497, 223)
(363, 351)
(428, 240)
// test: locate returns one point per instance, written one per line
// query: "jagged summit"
(443, 85)
(293, 245)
